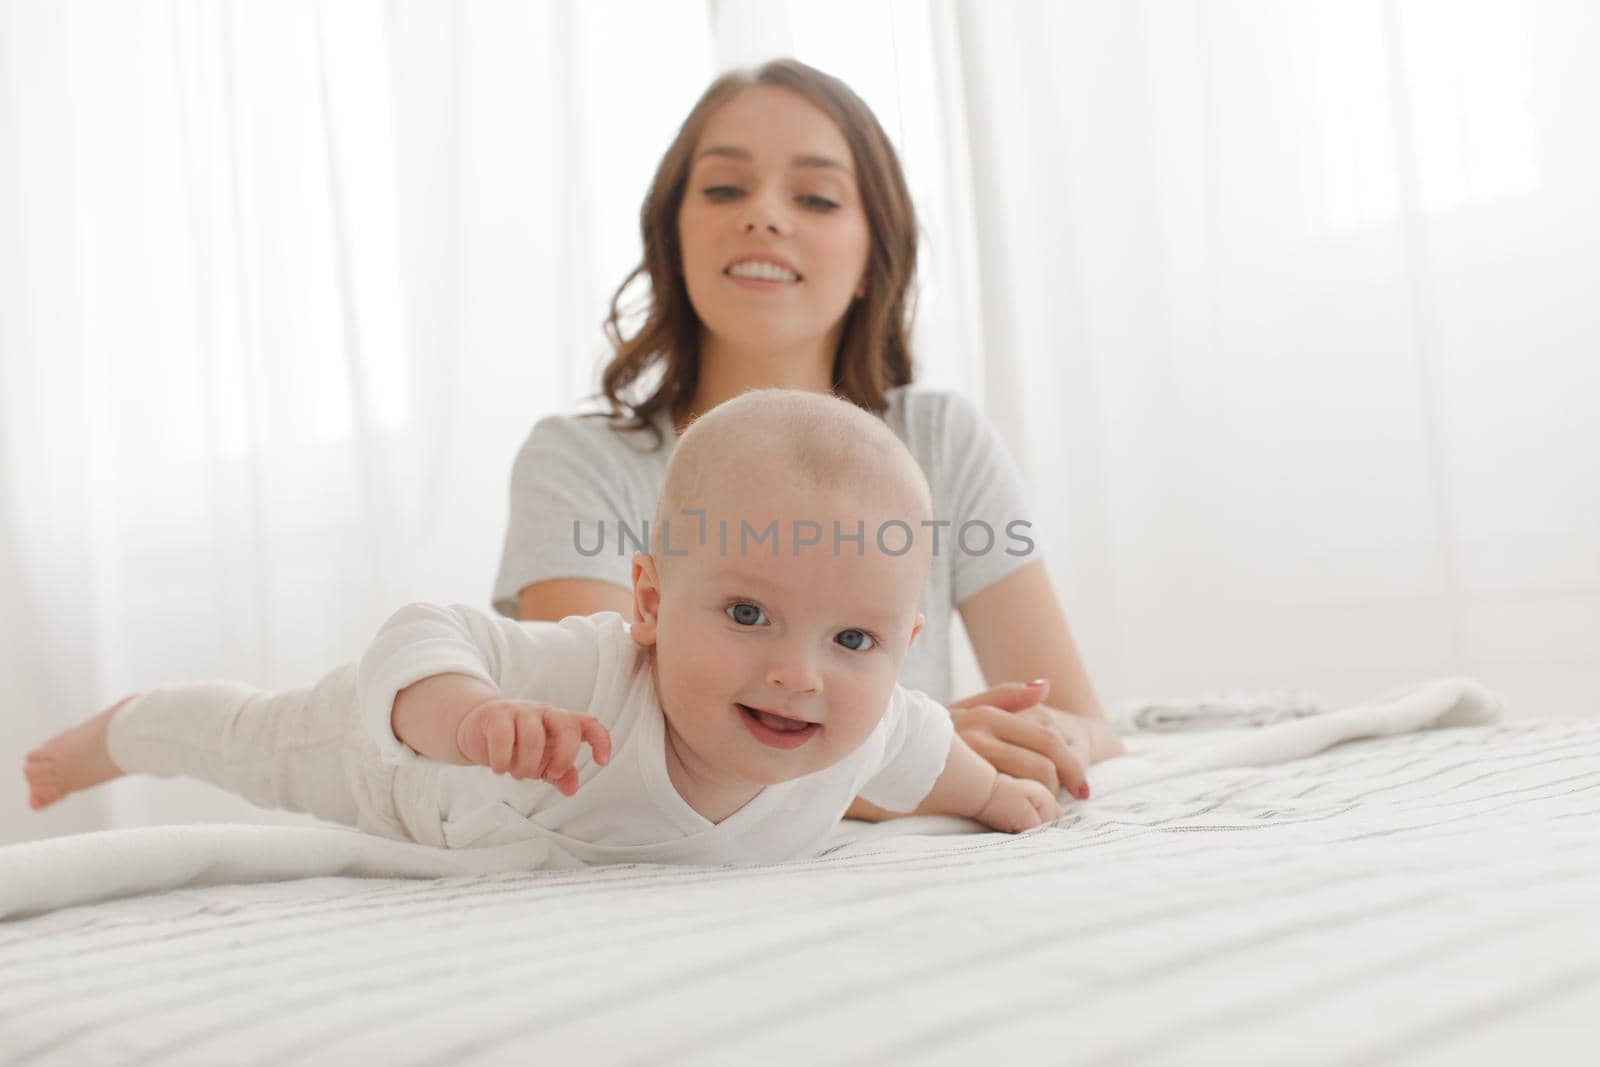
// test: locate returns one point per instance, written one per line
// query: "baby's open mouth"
(775, 722)
(777, 731)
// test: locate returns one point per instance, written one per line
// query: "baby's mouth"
(775, 722)
(777, 731)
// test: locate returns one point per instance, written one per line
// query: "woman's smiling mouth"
(763, 271)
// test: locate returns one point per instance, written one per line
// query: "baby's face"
(773, 667)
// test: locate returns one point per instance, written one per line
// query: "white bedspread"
(1425, 898)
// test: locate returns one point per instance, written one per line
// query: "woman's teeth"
(763, 271)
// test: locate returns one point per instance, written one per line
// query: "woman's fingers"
(1030, 746)
(1043, 730)
(1051, 743)
(1018, 761)
(1011, 696)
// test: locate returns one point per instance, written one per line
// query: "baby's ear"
(646, 599)
(916, 628)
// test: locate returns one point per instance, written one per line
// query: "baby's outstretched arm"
(969, 786)
(454, 718)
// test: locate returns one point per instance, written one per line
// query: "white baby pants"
(298, 750)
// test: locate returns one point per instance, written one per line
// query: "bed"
(1429, 897)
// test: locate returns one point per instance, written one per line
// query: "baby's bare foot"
(72, 760)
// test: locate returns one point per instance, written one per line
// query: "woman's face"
(773, 232)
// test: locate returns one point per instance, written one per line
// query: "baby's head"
(788, 561)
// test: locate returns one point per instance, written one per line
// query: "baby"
(750, 700)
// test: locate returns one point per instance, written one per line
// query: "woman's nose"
(764, 212)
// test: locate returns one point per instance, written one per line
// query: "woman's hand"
(1011, 727)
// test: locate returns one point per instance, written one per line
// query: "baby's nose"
(794, 673)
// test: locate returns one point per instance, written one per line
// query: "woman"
(780, 245)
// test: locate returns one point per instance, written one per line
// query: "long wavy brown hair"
(874, 353)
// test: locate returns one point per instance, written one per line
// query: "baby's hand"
(531, 740)
(1018, 804)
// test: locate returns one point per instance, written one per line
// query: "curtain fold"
(1302, 376)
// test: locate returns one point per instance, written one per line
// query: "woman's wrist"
(1104, 741)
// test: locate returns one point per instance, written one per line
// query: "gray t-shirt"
(581, 493)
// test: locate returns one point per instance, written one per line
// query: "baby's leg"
(284, 750)
(298, 750)
(72, 760)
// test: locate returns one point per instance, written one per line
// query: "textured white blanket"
(39, 876)
(1426, 898)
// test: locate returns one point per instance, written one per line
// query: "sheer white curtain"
(1285, 308)
(282, 287)
(1296, 305)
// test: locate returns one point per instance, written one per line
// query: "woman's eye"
(722, 192)
(746, 614)
(818, 203)
(855, 640)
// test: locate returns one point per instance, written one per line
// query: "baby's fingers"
(1044, 803)
(531, 747)
(563, 745)
(1024, 805)
(568, 732)
(500, 741)
(598, 737)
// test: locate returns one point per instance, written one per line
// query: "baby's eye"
(746, 614)
(722, 192)
(856, 640)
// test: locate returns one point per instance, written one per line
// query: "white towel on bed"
(42, 875)
(1445, 702)
(1220, 711)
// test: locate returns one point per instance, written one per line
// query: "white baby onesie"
(628, 810)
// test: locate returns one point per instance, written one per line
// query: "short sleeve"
(917, 732)
(557, 663)
(991, 531)
(570, 493)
